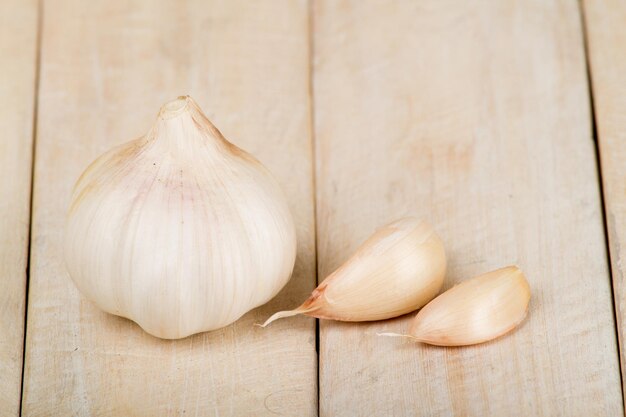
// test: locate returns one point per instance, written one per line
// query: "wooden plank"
(18, 57)
(476, 117)
(606, 37)
(106, 69)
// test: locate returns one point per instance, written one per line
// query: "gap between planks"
(38, 42)
(603, 37)
(594, 133)
(311, 34)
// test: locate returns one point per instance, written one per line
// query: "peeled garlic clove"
(475, 311)
(397, 270)
(179, 231)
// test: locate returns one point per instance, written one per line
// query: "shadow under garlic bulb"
(179, 231)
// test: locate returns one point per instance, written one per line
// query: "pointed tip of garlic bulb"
(173, 230)
(475, 311)
(397, 270)
(174, 107)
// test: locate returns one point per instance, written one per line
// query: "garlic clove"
(474, 311)
(397, 270)
(172, 230)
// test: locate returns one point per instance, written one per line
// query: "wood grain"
(474, 115)
(606, 37)
(18, 58)
(106, 69)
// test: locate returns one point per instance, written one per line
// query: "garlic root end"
(288, 313)
(395, 335)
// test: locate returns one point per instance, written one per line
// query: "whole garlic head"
(180, 230)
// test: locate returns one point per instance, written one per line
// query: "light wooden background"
(503, 123)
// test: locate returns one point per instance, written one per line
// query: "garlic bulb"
(475, 311)
(180, 230)
(397, 270)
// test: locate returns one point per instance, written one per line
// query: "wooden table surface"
(502, 123)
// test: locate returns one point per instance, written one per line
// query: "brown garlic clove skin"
(474, 311)
(397, 270)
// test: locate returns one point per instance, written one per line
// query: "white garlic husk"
(180, 231)
(397, 270)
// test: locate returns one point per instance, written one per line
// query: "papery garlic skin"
(179, 231)
(474, 311)
(397, 270)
